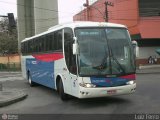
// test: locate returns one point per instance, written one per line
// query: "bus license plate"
(110, 92)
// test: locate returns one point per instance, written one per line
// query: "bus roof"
(77, 24)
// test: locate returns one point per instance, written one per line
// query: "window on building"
(149, 8)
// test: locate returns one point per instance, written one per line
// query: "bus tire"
(31, 83)
(63, 95)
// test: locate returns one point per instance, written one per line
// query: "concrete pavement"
(10, 96)
(149, 69)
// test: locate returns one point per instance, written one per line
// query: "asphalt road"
(42, 100)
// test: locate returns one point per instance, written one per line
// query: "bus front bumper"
(106, 91)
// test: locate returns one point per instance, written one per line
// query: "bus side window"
(40, 44)
(53, 44)
(58, 40)
(43, 44)
(36, 45)
(55, 40)
(26, 47)
(32, 44)
(50, 43)
(70, 58)
(47, 42)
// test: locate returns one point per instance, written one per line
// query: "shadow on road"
(83, 103)
(101, 101)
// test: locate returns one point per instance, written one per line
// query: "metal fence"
(10, 66)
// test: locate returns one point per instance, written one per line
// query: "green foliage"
(8, 38)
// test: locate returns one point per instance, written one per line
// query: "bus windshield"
(104, 51)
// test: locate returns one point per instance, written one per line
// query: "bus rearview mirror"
(136, 48)
(75, 49)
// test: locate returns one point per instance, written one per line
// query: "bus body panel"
(41, 68)
(112, 81)
(41, 72)
(106, 91)
(83, 92)
(46, 72)
(62, 71)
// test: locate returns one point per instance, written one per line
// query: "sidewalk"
(8, 97)
(149, 69)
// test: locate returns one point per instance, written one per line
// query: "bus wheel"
(63, 95)
(31, 83)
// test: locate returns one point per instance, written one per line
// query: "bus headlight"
(130, 82)
(87, 85)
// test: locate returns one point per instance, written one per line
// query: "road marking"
(11, 79)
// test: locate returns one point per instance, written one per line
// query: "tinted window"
(69, 57)
(58, 40)
(45, 43)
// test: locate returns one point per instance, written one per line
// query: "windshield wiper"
(103, 64)
(115, 59)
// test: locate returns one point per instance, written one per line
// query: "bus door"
(70, 59)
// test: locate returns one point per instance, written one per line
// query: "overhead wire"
(119, 11)
(102, 17)
(35, 7)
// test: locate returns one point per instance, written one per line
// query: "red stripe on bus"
(131, 77)
(49, 57)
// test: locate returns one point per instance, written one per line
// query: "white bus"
(81, 59)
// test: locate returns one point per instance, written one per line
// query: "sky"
(67, 8)
(8, 6)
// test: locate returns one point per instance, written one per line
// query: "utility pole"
(106, 9)
(87, 9)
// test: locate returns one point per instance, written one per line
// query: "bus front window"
(104, 51)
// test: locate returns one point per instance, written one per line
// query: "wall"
(10, 59)
(35, 16)
(123, 12)
(47, 16)
(25, 19)
(130, 13)
(149, 27)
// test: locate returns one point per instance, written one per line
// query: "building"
(142, 17)
(35, 16)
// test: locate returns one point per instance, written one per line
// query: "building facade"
(142, 17)
(35, 16)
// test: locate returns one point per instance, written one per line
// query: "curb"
(147, 72)
(149, 66)
(11, 100)
(148, 69)
(10, 72)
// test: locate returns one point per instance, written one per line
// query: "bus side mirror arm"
(75, 47)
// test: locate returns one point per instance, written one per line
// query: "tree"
(8, 38)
